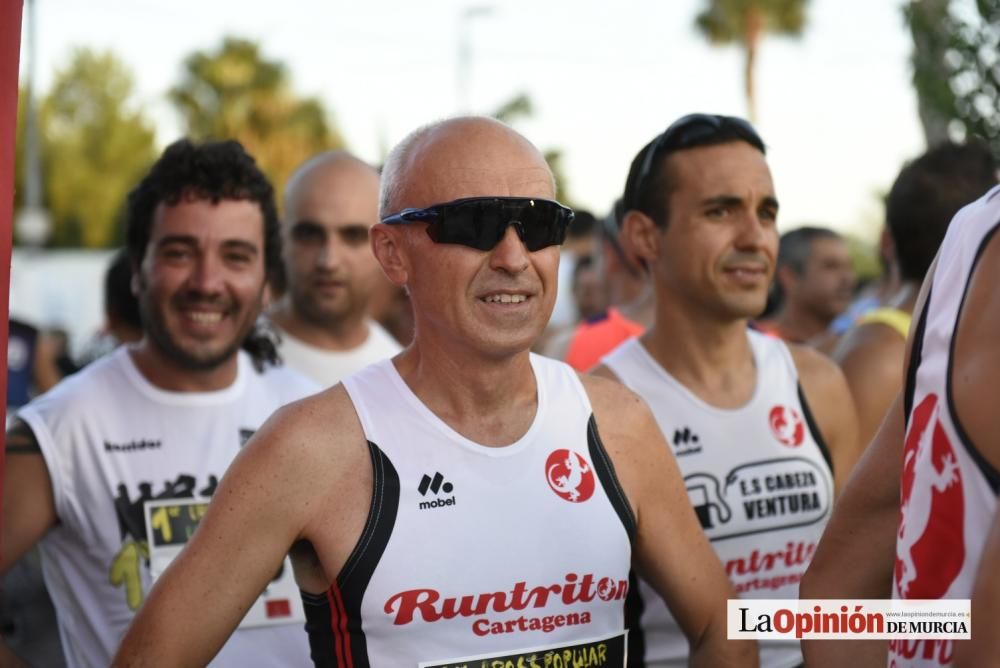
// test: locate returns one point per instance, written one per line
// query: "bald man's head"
(496, 300)
(330, 204)
(462, 157)
(334, 169)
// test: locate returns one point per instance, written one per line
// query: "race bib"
(603, 652)
(170, 523)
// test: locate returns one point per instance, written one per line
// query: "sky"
(835, 107)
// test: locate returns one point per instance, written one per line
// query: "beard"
(348, 308)
(205, 358)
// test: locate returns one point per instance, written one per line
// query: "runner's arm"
(856, 554)
(671, 550)
(975, 368)
(830, 402)
(871, 357)
(28, 503)
(262, 506)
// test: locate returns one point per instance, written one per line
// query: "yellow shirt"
(893, 317)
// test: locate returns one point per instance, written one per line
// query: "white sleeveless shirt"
(115, 445)
(948, 490)
(475, 551)
(759, 479)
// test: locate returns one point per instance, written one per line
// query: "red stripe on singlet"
(339, 624)
(338, 649)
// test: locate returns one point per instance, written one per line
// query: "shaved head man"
(330, 273)
(549, 485)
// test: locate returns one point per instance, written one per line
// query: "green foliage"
(745, 22)
(94, 146)
(235, 93)
(521, 106)
(554, 156)
(864, 259)
(956, 65)
(728, 21)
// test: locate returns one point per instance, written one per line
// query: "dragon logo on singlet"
(930, 544)
(787, 426)
(569, 475)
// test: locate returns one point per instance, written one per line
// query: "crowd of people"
(359, 406)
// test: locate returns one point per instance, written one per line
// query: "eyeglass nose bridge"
(518, 229)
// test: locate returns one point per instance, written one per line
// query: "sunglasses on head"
(481, 222)
(688, 132)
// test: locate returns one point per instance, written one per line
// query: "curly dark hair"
(215, 171)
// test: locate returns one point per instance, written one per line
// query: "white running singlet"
(948, 491)
(329, 367)
(113, 443)
(760, 481)
(492, 554)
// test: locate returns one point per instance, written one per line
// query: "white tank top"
(115, 447)
(948, 491)
(759, 479)
(475, 551)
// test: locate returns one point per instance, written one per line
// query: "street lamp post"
(464, 65)
(33, 224)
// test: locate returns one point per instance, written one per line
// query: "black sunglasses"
(481, 222)
(688, 132)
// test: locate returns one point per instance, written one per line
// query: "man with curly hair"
(112, 469)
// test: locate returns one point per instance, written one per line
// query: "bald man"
(466, 500)
(331, 202)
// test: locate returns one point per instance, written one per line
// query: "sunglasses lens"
(466, 223)
(482, 224)
(543, 224)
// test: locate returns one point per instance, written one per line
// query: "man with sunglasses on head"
(760, 430)
(457, 504)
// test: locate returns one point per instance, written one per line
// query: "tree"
(956, 68)
(235, 93)
(94, 146)
(521, 106)
(745, 22)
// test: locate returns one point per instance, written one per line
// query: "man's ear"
(639, 236)
(388, 245)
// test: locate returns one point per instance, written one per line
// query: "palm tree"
(745, 22)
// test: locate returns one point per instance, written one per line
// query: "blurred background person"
(926, 195)
(22, 345)
(814, 282)
(122, 322)
(27, 618)
(629, 299)
(588, 289)
(121, 307)
(330, 272)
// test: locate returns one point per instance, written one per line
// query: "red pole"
(10, 51)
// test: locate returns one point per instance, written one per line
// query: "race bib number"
(604, 652)
(170, 523)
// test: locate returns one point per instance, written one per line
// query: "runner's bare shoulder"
(318, 437)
